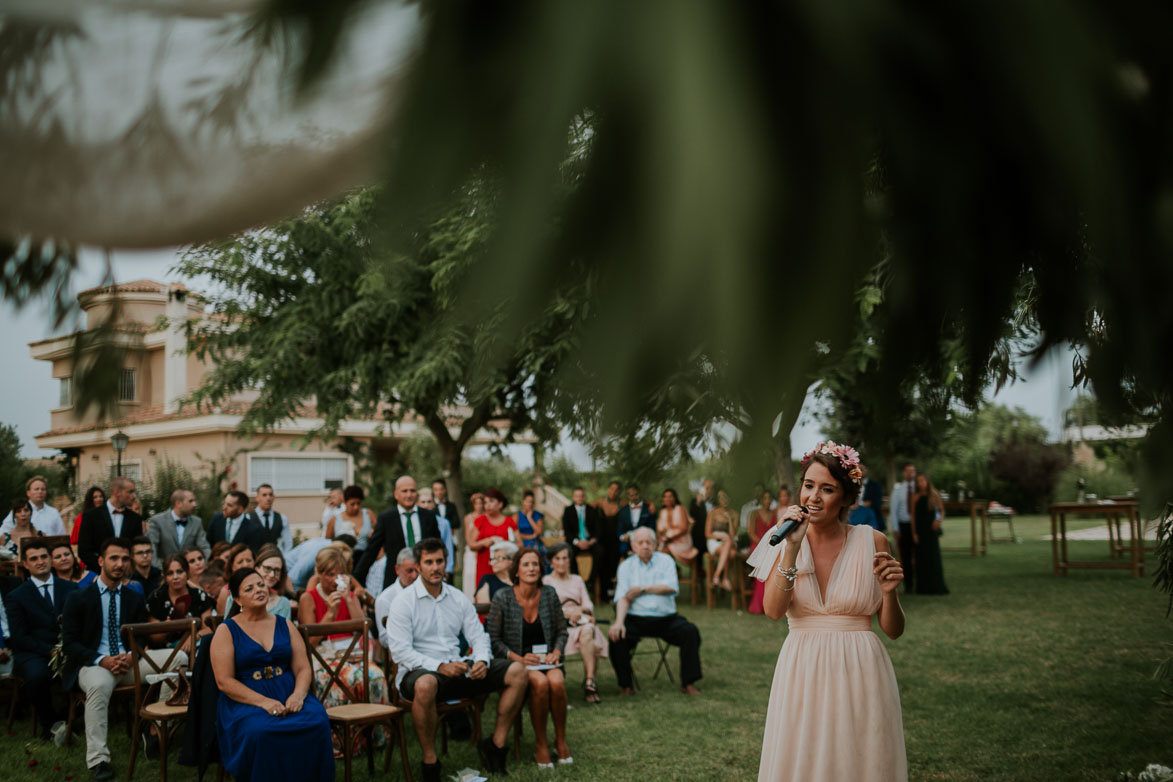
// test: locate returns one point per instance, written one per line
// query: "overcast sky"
(28, 394)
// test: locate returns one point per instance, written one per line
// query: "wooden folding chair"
(358, 713)
(14, 683)
(146, 708)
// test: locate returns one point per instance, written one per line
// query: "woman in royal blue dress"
(268, 725)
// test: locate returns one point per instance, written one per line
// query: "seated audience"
(501, 560)
(336, 597)
(585, 636)
(526, 626)
(96, 655)
(22, 527)
(176, 599)
(271, 566)
(424, 628)
(211, 581)
(672, 530)
(68, 567)
(197, 563)
(646, 608)
(300, 562)
(269, 725)
(720, 536)
(407, 570)
(239, 556)
(220, 551)
(34, 612)
(144, 571)
(761, 521)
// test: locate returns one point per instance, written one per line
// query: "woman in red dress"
(759, 524)
(491, 528)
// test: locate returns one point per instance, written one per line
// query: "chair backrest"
(391, 668)
(359, 630)
(136, 636)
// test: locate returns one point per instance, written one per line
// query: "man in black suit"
(444, 506)
(396, 529)
(115, 519)
(34, 615)
(234, 525)
(636, 513)
(580, 527)
(97, 658)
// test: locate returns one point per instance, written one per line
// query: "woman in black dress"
(928, 510)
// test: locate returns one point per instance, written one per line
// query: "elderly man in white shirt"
(46, 519)
(407, 570)
(423, 628)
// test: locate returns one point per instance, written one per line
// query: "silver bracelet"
(789, 573)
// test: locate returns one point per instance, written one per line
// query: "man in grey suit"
(177, 529)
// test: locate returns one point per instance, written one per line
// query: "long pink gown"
(834, 709)
(761, 526)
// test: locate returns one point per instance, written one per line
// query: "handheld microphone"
(786, 529)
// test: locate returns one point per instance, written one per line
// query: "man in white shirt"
(332, 509)
(901, 508)
(45, 519)
(407, 570)
(275, 527)
(423, 628)
(645, 607)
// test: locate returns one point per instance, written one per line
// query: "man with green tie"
(400, 527)
(580, 526)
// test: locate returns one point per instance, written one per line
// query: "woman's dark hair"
(498, 495)
(234, 586)
(176, 558)
(219, 547)
(353, 493)
(76, 572)
(527, 493)
(515, 565)
(88, 502)
(235, 552)
(269, 551)
(675, 496)
(849, 487)
(21, 504)
(557, 549)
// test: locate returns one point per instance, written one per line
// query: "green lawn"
(1017, 675)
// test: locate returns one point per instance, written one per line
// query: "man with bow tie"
(402, 526)
(177, 529)
(34, 612)
(275, 527)
(114, 519)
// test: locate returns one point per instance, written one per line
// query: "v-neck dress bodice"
(834, 710)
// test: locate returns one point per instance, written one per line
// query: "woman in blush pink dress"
(834, 710)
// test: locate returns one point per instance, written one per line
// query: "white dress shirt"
(383, 607)
(268, 518)
(901, 494)
(231, 526)
(45, 520)
(40, 585)
(422, 630)
(409, 516)
(117, 520)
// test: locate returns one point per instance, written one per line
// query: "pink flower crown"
(848, 459)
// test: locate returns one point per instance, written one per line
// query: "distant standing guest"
(928, 510)
(46, 519)
(354, 520)
(468, 576)
(760, 522)
(334, 502)
(529, 523)
(873, 497)
(492, 527)
(94, 497)
(22, 514)
(113, 519)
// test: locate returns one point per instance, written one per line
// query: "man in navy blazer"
(112, 520)
(34, 617)
(390, 533)
(636, 513)
(97, 658)
(234, 525)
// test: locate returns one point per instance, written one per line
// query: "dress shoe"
(430, 772)
(101, 772)
(492, 756)
(151, 745)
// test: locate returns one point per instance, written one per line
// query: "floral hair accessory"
(848, 459)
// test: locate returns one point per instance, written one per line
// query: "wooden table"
(976, 510)
(1112, 512)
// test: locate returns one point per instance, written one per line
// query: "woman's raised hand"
(795, 513)
(888, 571)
